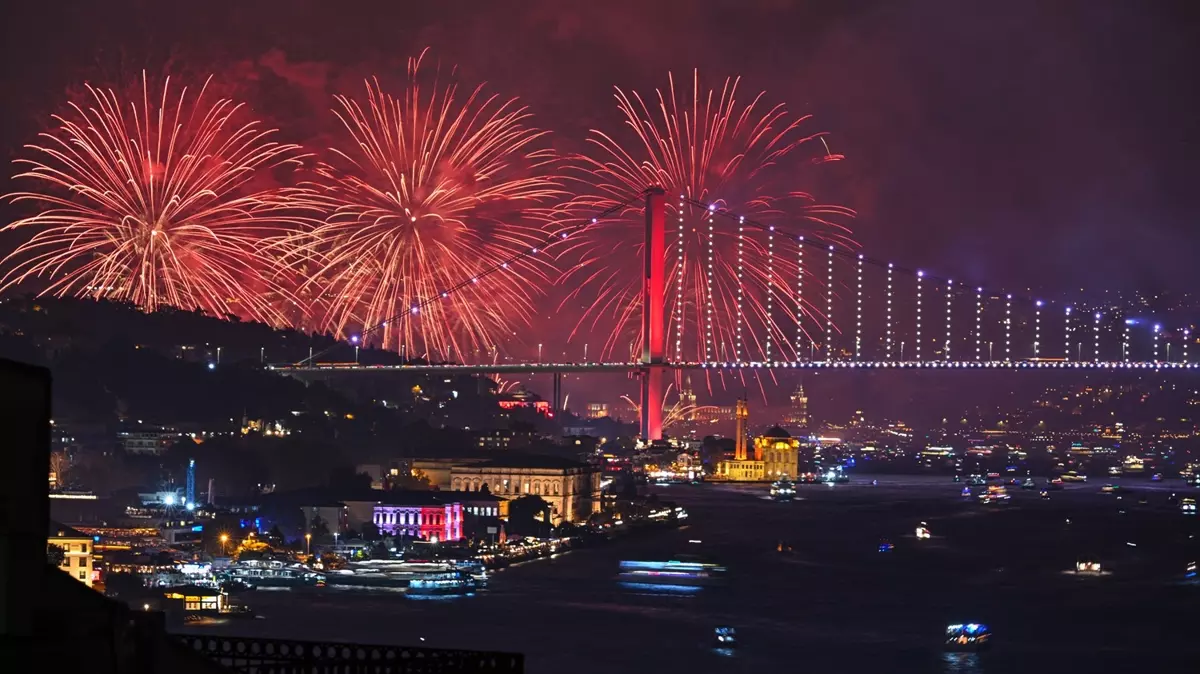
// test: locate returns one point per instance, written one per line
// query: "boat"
(685, 571)
(255, 573)
(725, 637)
(442, 583)
(967, 637)
(783, 489)
(364, 577)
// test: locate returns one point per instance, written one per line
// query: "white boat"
(271, 573)
(442, 582)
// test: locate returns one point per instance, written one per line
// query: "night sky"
(1043, 145)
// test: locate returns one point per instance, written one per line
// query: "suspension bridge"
(775, 300)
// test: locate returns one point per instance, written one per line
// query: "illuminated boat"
(671, 572)
(270, 573)
(783, 489)
(444, 582)
(725, 637)
(968, 637)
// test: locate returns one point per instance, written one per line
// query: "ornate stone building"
(571, 488)
(780, 453)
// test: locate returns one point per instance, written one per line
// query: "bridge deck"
(534, 368)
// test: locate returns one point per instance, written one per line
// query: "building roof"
(60, 530)
(327, 497)
(475, 496)
(413, 497)
(531, 461)
(777, 433)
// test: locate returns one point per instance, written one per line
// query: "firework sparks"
(156, 202)
(430, 191)
(677, 412)
(710, 149)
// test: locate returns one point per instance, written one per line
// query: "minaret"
(742, 416)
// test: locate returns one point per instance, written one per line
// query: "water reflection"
(962, 663)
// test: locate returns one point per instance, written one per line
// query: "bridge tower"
(654, 330)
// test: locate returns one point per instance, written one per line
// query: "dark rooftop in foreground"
(59, 530)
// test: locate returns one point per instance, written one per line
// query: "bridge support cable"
(829, 352)
(799, 297)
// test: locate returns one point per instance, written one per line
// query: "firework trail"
(156, 201)
(674, 413)
(707, 149)
(430, 189)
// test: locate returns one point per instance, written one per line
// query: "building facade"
(77, 551)
(780, 453)
(421, 518)
(743, 467)
(571, 488)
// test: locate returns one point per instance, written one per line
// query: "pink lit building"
(424, 518)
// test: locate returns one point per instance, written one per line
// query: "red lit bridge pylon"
(822, 306)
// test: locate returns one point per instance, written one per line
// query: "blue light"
(354, 339)
(198, 527)
(1131, 321)
(212, 366)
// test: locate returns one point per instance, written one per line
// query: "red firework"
(731, 287)
(155, 202)
(431, 190)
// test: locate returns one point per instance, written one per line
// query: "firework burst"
(708, 148)
(155, 200)
(675, 413)
(431, 189)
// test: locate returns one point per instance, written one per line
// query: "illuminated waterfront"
(833, 604)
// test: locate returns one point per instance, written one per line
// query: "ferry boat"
(783, 489)
(364, 577)
(684, 571)
(400, 573)
(271, 573)
(968, 637)
(441, 583)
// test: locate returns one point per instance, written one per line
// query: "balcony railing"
(280, 656)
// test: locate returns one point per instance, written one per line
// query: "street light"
(224, 540)
(308, 543)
